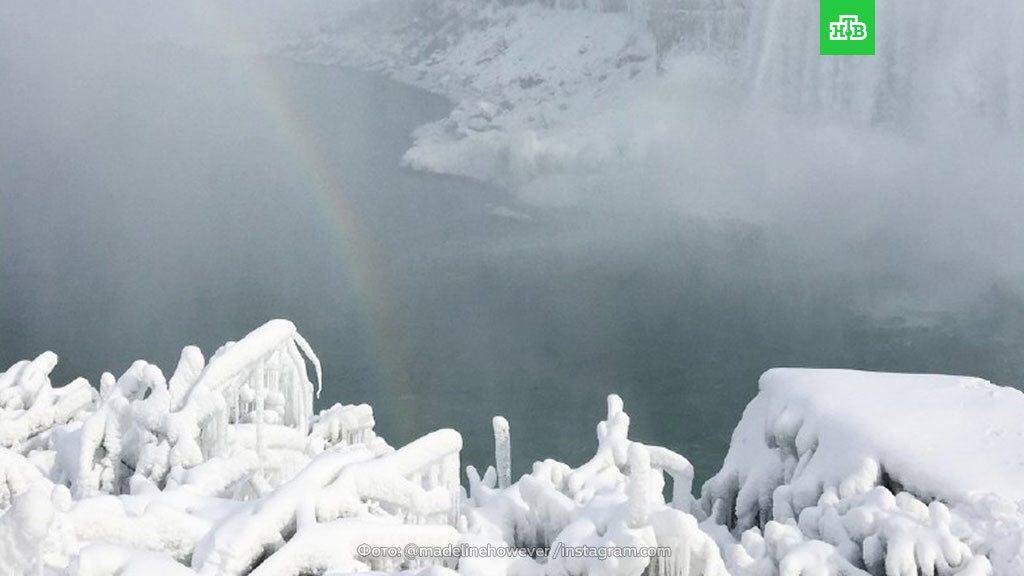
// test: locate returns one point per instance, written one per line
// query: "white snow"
(208, 472)
(895, 473)
(225, 468)
(946, 437)
(830, 472)
(613, 500)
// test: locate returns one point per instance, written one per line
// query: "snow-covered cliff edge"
(517, 72)
(578, 87)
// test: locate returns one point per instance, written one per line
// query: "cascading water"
(938, 65)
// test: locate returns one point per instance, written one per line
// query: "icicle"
(308, 351)
(261, 394)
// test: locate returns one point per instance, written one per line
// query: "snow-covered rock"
(896, 474)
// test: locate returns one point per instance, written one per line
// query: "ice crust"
(224, 470)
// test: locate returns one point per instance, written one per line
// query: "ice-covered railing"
(264, 367)
(345, 424)
(345, 497)
(142, 431)
(191, 474)
(261, 378)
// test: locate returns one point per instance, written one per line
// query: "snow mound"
(894, 474)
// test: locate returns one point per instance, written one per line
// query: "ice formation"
(859, 472)
(223, 469)
(613, 501)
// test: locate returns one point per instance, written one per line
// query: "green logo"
(847, 27)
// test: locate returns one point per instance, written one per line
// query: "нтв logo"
(847, 27)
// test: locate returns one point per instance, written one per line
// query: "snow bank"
(945, 437)
(830, 472)
(893, 473)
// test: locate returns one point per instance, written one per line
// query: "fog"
(153, 194)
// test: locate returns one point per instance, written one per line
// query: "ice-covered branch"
(30, 406)
(613, 500)
(224, 470)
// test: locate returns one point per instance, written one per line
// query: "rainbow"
(360, 255)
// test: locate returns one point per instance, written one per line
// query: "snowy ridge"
(830, 472)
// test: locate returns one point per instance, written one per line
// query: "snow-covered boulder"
(898, 474)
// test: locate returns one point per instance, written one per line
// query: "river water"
(175, 199)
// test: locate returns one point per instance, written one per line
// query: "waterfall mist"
(762, 206)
